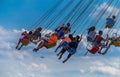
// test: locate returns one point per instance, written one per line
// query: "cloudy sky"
(16, 15)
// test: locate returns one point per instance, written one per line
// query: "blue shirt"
(110, 21)
(60, 33)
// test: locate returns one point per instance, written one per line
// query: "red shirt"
(98, 39)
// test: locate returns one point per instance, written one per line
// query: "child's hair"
(30, 32)
(100, 32)
(91, 29)
(77, 37)
(68, 24)
(113, 16)
(70, 36)
(39, 28)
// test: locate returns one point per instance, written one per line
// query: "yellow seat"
(116, 43)
(25, 42)
(35, 37)
(50, 45)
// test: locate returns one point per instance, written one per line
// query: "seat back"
(50, 45)
(94, 50)
(25, 42)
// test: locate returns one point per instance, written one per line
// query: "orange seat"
(53, 39)
(50, 45)
(51, 42)
(35, 37)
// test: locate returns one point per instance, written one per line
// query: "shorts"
(72, 51)
(65, 44)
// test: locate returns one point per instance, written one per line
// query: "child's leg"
(60, 54)
(57, 48)
(18, 44)
(39, 46)
(106, 49)
(60, 51)
(69, 55)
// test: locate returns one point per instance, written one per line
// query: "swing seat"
(25, 42)
(50, 45)
(116, 43)
(35, 37)
(94, 49)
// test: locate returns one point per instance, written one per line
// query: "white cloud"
(105, 70)
(82, 70)
(35, 65)
(44, 67)
(20, 74)
(105, 7)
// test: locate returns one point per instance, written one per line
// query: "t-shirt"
(91, 34)
(67, 28)
(98, 39)
(110, 21)
(73, 44)
(53, 39)
(67, 39)
(60, 33)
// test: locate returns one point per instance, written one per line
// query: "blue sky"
(21, 13)
(16, 15)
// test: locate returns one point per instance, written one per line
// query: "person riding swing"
(71, 48)
(91, 34)
(24, 40)
(97, 45)
(44, 42)
(110, 22)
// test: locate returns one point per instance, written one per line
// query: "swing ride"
(74, 20)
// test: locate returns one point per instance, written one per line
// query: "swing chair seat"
(116, 43)
(25, 42)
(50, 45)
(94, 50)
(35, 37)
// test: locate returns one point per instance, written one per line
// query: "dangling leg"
(106, 49)
(60, 54)
(57, 48)
(61, 51)
(99, 51)
(20, 46)
(101, 47)
(39, 46)
(69, 55)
